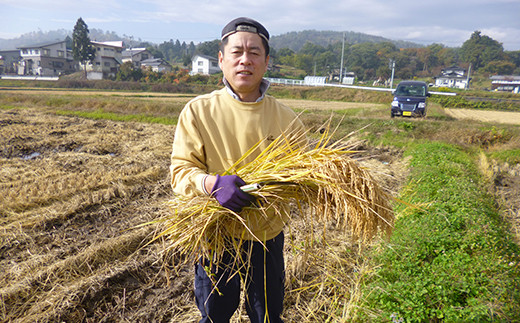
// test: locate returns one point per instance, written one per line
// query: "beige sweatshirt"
(214, 131)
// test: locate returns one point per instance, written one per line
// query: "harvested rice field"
(74, 192)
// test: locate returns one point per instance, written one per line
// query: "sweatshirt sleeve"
(188, 160)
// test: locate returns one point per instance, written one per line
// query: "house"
(348, 77)
(156, 65)
(10, 59)
(46, 59)
(509, 83)
(202, 64)
(107, 60)
(136, 56)
(452, 77)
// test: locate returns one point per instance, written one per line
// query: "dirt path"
(327, 105)
(485, 115)
(92, 92)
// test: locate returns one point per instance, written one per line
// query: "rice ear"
(334, 188)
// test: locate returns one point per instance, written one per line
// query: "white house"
(46, 59)
(156, 65)
(508, 83)
(107, 60)
(136, 56)
(202, 64)
(452, 77)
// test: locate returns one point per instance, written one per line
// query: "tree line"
(372, 60)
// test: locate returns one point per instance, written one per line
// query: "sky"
(447, 22)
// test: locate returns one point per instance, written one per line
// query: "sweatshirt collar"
(263, 89)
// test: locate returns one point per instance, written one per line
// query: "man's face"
(244, 63)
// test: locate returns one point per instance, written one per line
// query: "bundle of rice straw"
(324, 178)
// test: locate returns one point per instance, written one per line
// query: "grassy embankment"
(451, 258)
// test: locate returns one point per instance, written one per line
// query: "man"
(213, 132)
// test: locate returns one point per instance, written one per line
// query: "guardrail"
(29, 77)
(369, 88)
(285, 81)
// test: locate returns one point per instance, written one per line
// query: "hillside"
(39, 36)
(292, 40)
(296, 40)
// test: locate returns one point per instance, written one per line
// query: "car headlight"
(395, 103)
(422, 105)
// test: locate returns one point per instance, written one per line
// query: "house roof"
(452, 76)
(505, 78)
(11, 52)
(204, 56)
(154, 62)
(117, 43)
(118, 61)
(41, 45)
(132, 51)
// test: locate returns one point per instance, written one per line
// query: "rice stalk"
(323, 178)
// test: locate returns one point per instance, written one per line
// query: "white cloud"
(443, 21)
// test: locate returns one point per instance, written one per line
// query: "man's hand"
(228, 193)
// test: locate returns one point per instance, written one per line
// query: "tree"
(500, 67)
(82, 49)
(479, 50)
(127, 72)
(209, 48)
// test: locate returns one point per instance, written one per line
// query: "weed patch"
(481, 103)
(100, 114)
(511, 156)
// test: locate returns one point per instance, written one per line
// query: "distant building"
(452, 77)
(156, 65)
(349, 78)
(46, 59)
(509, 83)
(315, 80)
(136, 56)
(202, 64)
(10, 59)
(107, 60)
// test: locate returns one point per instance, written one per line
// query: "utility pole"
(342, 53)
(392, 66)
(467, 80)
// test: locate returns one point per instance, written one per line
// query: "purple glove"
(228, 193)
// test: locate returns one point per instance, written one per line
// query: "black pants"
(265, 278)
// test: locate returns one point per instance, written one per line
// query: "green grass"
(100, 114)
(450, 258)
(511, 156)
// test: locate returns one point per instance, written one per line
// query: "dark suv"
(410, 99)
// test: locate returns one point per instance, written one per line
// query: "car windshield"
(411, 90)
